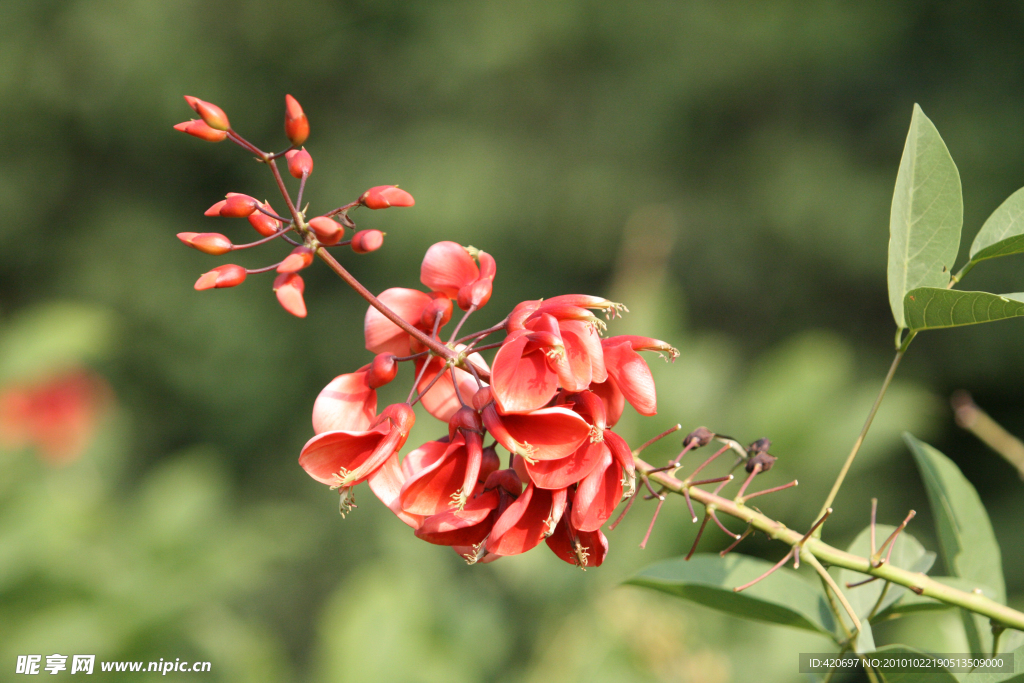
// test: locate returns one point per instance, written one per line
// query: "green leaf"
(966, 540)
(1003, 232)
(979, 676)
(907, 553)
(938, 675)
(708, 579)
(911, 602)
(926, 217)
(931, 308)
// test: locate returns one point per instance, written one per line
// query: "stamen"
(347, 501)
(581, 554)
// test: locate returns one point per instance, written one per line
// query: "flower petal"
(597, 496)
(325, 455)
(447, 267)
(558, 474)
(382, 335)
(386, 483)
(581, 548)
(523, 524)
(631, 375)
(464, 527)
(346, 404)
(521, 383)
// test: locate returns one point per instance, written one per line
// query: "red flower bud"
(213, 115)
(238, 206)
(328, 231)
(383, 196)
(212, 243)
(215, 209)
(383, 369)
(296, 125)
(442, 305)
(299, 163)
(289, 288)
(200, 130)
(300, 258)
(264, 224)
(228, 275)
(365, 241)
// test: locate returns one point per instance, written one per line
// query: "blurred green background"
(725, 169)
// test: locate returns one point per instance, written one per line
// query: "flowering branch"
(814, 547)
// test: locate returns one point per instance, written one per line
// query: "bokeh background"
(725, 169)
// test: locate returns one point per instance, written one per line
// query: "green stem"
(867, 425)
(915, 581)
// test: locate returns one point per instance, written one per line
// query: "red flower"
(450, 268)
(532, 517)
(347, 457)
(382, 335)
(57, 416)
(629, 372)
(545, 434)
(468, 528)
(550, 344)
(581, 548)
(451, 479)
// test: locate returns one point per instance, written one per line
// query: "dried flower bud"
(296, 125)
(327, 231)
(200, 130)
(299, 163)
(238, 206)
(383, 196)
(383, 369)
(701, 436)
(212, 243)
(228, 275)
(759, 446)
(764, 459)
(301, 257)
(289, 288)
(365, 241)
(213, 115)
(264, 224)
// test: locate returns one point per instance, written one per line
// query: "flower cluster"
(554, 392)
(550, 398)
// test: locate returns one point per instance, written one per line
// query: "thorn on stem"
(854, 584)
